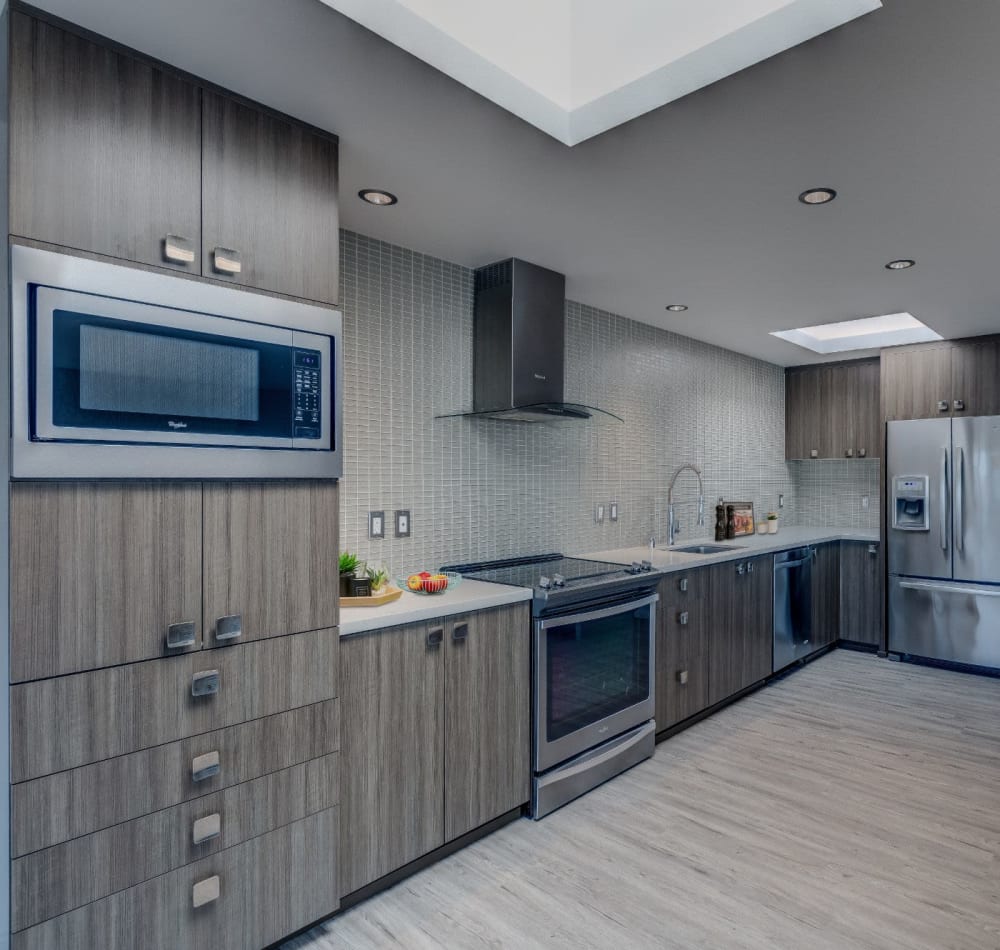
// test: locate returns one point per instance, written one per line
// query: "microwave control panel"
(308, 394)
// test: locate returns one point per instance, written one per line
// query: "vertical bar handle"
(960, 500)
(943, 520)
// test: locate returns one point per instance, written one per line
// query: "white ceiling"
(692, 203)
(576, 68)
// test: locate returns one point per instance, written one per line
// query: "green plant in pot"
(772, 522)
(349, 564)
(379, 577)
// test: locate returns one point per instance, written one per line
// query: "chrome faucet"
(672, 525)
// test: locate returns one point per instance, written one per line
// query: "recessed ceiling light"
(677, 307)
(817, 196)
(868, 333)
(375, 196)
(901, 264)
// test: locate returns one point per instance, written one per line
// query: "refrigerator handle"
(959, 476)
(944, 499)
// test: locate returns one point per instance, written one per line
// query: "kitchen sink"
(706, 548)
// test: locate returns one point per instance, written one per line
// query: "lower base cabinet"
(861, 592)
(826, 595)
(435, 738)
(681, 647)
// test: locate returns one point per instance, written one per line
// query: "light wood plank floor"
(854, 804)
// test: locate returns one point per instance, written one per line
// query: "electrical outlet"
(781, 501)
(599, 514)
(376, 525)
(403, 524)
(864, 502)
(613, 511)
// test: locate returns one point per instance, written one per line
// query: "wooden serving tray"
(387, 596)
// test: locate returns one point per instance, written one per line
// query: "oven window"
(596, 668)
(125, 371)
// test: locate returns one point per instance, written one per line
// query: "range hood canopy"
(519, 345)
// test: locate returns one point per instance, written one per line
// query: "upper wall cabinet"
(832, 411)
(105, 149)
(270, 208)
(960, 378)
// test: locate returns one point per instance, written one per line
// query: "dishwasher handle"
(784, 565)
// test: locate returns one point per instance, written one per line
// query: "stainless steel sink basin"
(706, 548)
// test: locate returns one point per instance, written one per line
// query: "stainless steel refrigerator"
(944, 539)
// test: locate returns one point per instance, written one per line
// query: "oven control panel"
(308, 394)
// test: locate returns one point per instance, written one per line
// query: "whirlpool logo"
(176, 425)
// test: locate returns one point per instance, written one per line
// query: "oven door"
(109, 370)
(593, 677)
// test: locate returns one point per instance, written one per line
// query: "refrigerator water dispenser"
(909, 503)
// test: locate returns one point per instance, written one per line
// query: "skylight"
(868, 333)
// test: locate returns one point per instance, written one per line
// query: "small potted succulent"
(772, 522)
(349, 564)
(378, 576)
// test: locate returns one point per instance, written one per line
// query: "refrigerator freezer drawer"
(945, 620)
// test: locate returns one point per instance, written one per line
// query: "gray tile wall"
(831, 493)
(480, 490)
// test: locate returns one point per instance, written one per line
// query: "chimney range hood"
(519, 343)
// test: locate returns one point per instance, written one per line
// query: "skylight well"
(868, 333)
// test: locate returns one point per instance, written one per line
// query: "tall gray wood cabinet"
(435, 736)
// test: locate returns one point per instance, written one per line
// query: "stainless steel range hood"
(519, 347)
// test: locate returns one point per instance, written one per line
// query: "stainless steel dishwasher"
(792, 606)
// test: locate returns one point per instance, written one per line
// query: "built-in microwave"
(123, 372)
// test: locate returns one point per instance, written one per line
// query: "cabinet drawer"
(80, 801)
(267, 888)
(78, 872)
(72, 720)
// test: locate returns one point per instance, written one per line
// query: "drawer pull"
(435, 637)
(741, 569)
(205, 683)
(682, 618)
(229, 628)
(207, 828)
(682, 677)
(226, 260)
(205, 892)
(683, 585)
(460, 632)
(205, 766)
(180, 635)
(814, 453)
(178, 249)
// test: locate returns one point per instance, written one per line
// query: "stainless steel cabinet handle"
(741, 569)
(682, 618)
(435, 637)
(182, 634)
(682, 677)
(207, 891)
(958, 405)
(229, 628)
(460, 632)
(942, 405)
(226, 260)
(944, 499)
(178, 249)
(207, 828)
(850, 453)
(862, 453)
(683, 585)
(873, 549)
(749, 567)
(814, 453)
(205, 766)
(205, 683)
(960, 500)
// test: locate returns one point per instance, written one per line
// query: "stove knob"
(647, 566)
(635, 568)
(544, 582)
(558, 580)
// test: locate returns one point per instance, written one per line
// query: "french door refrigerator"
(944, 539)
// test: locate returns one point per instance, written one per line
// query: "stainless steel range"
(593, 636)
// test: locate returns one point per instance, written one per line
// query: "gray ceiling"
(694, 203)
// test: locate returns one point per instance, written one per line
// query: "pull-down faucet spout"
(672, 525)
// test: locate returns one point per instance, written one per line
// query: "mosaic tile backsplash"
(483, 490)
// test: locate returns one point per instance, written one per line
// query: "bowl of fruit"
(424, 582)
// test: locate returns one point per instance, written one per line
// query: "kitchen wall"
(479, 490)
(830, 493)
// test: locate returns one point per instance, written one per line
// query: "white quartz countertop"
(412, 608)
(667, 560)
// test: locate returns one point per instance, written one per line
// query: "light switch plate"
(613, 511)
(599, 514)
(403, 525)
(376, 525)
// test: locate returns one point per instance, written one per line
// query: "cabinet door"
(99, 571)
(392, 750)
(867, 410)
(270, 559)
(270, 202)
(916, 382)
(860, 592)
(740, 632)
(105, 150)
(681, 647)
(487, 716)
(802, 413)
(826, 595)
(976, 377)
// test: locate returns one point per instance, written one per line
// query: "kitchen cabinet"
(975, 366)
(832, 411)
(105, 148)
(435, 739)
(740, 626)
(270, 559)
(917, 381)
(270, 201)
(682, 663)
(860, 592)
(825, 595)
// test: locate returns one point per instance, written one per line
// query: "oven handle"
(623, 608)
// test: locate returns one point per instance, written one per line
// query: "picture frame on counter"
(740, 522)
